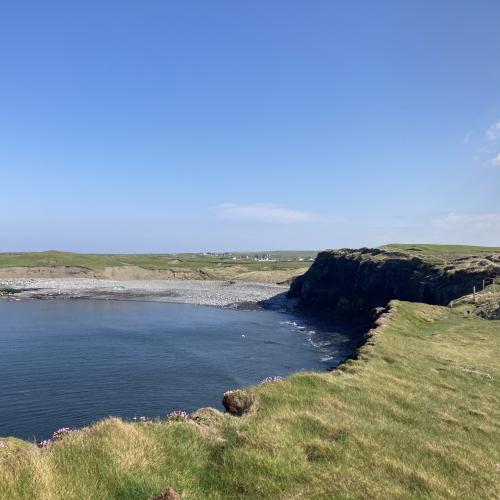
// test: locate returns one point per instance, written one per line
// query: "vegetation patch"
(8, 290)
(252, 261)
(430, 250)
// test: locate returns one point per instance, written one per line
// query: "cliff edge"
(354, 282)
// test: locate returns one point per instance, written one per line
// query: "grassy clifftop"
(358, 280)
(430, 249)
(443, 254)
(417, 415)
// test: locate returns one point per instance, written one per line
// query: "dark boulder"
(237, 402)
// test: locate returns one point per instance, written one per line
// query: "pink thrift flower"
(276, 378)
(178, 415)
(60, 433)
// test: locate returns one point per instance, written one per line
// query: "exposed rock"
(167, 494)
(357, 281)
(237, 402)
(378, 311)
(489, 309)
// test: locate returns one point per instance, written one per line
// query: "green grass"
(444, 254)
(416, 416)
(285, 260)
(442, 250)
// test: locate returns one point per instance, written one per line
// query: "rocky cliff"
(357, 281)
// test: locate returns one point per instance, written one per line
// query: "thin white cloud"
(487, 146)
(269, 212)
(493, 133)
(495, 162)
(467, 137)
(468, 221)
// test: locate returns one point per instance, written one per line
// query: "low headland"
(263, 267)
(415, 413)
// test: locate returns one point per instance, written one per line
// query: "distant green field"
(284, 260)
(429, 249)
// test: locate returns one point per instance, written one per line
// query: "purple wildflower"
(60, 433)
(178, 415)
(55, 436)
(276, 378)
(2, 444)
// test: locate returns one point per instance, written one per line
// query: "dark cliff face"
(357, 281)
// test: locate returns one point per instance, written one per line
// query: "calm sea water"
(67, 363)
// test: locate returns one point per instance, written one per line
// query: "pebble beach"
(210, 293)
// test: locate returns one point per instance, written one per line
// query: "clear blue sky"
(189, 126)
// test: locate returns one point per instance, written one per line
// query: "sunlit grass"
(449, 249)
(284, 260)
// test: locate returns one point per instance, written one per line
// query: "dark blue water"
(67, 363)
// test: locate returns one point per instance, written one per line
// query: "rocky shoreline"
(209, 293)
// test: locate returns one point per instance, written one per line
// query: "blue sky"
(160, 126)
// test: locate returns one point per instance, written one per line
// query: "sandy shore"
(213, 293)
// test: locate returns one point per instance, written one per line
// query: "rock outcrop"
(354, 282)
(238, 402)
(489, 309)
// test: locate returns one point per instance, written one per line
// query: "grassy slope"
(429, 251)
(147, 261)
(417, 415)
